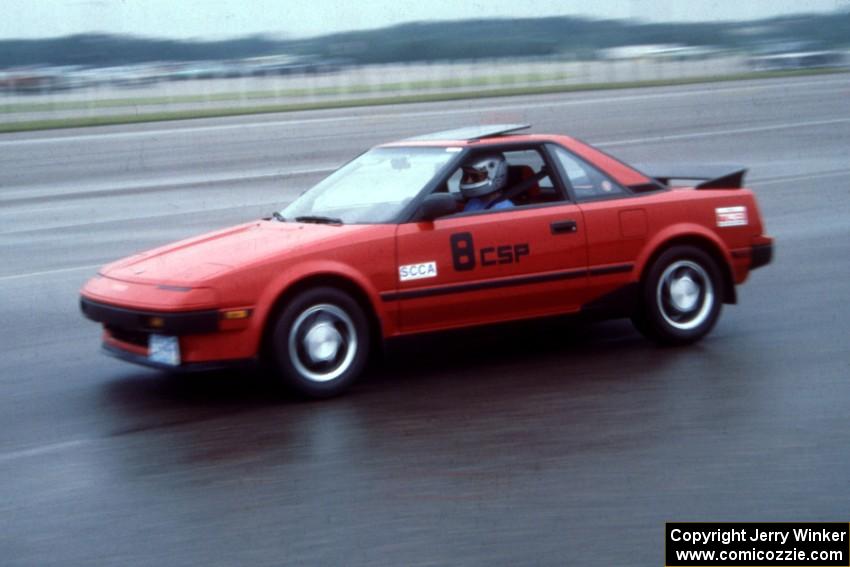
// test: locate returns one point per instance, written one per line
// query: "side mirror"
(437, 205)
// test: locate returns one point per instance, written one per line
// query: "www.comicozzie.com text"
(735, 535)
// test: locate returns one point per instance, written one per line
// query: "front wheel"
(681, 297)
(320, 342)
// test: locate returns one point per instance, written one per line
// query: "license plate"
(164, 349)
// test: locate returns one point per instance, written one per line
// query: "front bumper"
(207, 339)
(184, 368)
(185, 323)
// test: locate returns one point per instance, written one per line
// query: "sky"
(218, 19)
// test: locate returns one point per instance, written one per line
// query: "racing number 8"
(463, 252)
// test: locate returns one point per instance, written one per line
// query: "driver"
(483, 182)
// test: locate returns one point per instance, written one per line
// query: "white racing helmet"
(483, 175)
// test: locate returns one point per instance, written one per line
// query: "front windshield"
(374, 188)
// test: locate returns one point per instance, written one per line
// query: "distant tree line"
(106, 50)
(430, 41)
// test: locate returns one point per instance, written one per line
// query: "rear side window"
(587, 181)
(532, 160)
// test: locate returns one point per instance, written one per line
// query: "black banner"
(765, 544)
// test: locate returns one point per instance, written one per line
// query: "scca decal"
(417, 271)
(465, 258)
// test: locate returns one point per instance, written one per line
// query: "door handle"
(566, 226)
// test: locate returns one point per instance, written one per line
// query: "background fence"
(158, 90)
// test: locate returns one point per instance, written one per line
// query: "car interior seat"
(517, 174)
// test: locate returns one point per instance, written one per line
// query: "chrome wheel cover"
(322, 343)
(685, 295)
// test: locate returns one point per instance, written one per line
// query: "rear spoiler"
(712, 176)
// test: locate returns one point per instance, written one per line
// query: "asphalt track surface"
(555, 443)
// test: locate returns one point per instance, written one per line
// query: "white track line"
(41, 450)
(194, 180)
(189, 181)
(792, 178)
(41, 191)
(706, 134)
(49, 272)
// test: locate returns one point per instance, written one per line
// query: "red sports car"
(467, 227)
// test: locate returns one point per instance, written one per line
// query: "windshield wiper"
(318, 219)
(278, 217)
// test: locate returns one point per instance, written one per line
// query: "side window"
(587, 181)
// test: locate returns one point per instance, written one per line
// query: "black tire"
(320, 343)
(681, 297)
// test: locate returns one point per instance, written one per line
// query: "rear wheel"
(320, 342)
(681, 296)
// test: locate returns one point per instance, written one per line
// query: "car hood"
(197, 260)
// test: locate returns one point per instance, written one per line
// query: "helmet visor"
(472, 175)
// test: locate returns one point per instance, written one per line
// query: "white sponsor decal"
(417, 271)
(731, 216)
